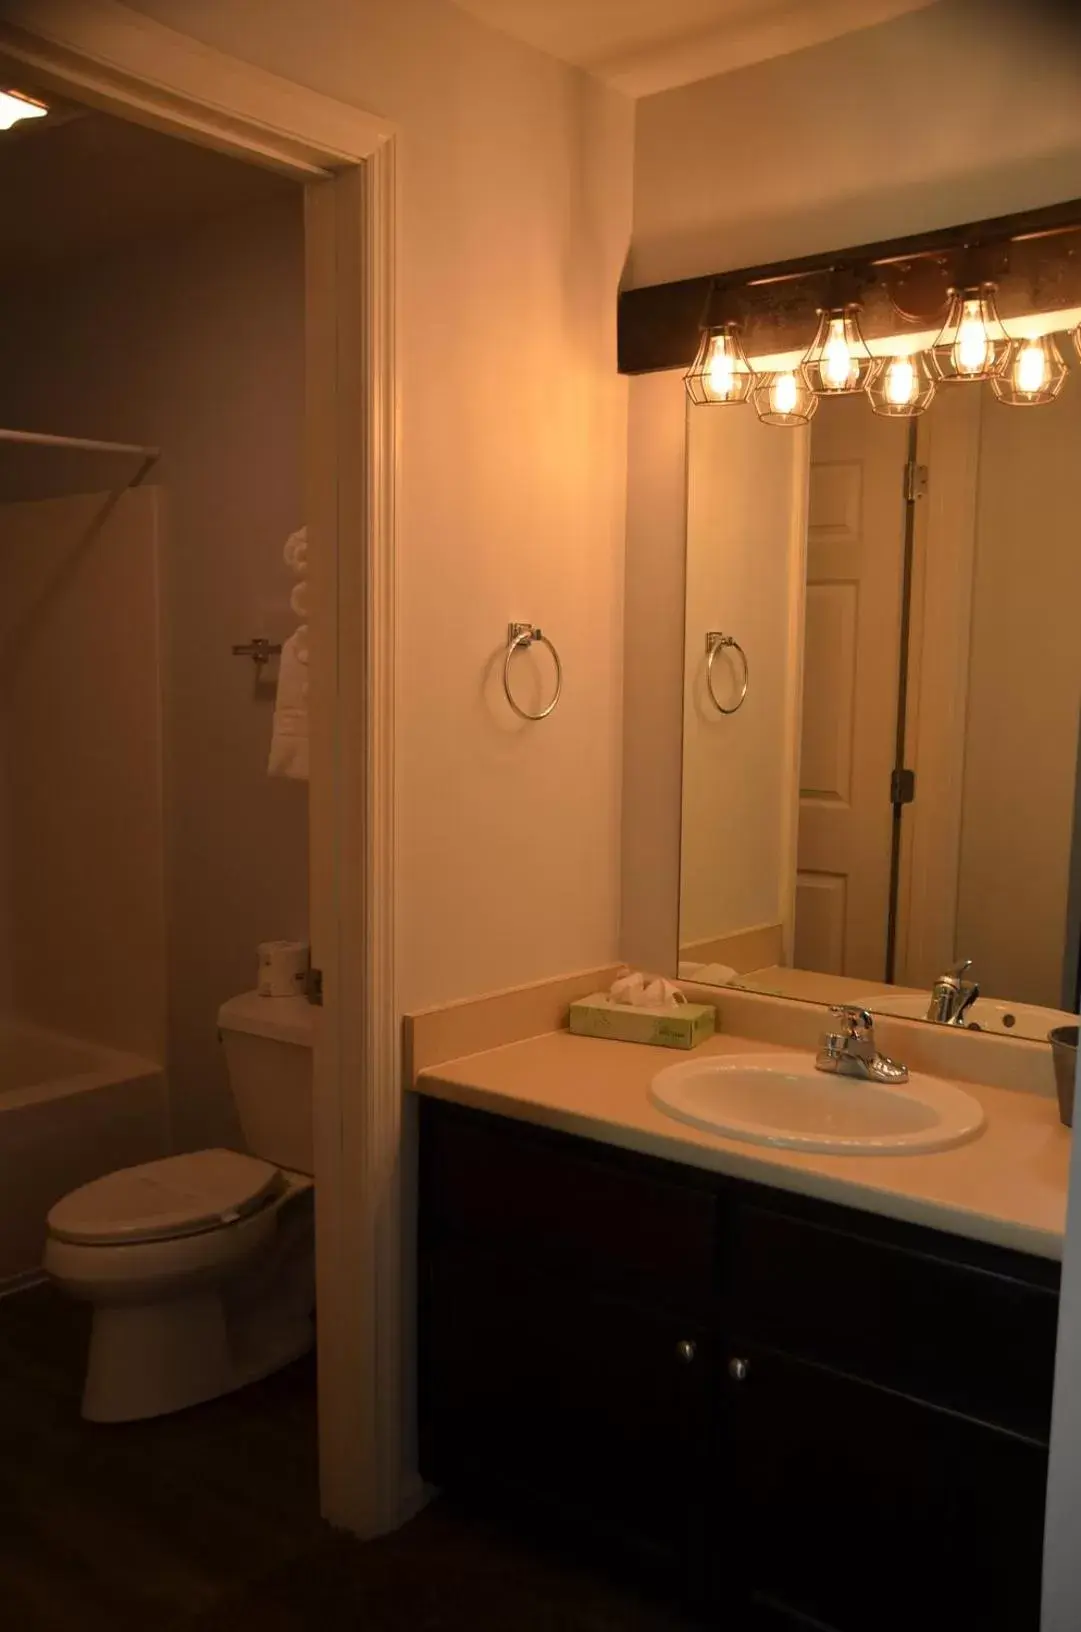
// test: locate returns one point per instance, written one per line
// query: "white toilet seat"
(177, 1197)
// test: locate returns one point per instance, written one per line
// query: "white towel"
(289, 742)
(296, 551)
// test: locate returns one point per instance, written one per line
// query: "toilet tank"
(268, 1052)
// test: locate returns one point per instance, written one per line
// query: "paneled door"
(855, 570)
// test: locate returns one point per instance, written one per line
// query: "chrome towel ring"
(520, 636)
(716, 642)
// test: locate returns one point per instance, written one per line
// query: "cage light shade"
(1077, 339)
(784, 399)
(1035, 372)
(720, 373)
(838, 362)
(972, 344)
(903, 387)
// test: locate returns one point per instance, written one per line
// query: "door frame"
(938, 656)
(102, 53)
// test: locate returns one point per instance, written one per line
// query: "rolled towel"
(289, 741)
(296, 551)
(298, 600)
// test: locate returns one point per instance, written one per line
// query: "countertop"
(1008, 1186)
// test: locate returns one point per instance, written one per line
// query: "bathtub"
(69, 1111)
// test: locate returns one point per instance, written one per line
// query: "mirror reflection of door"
(851, 665)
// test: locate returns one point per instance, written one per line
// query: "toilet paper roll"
(283, 968)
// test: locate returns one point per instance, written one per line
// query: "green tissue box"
(682, 1027)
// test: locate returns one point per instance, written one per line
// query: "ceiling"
(643, 46)
(84, 183)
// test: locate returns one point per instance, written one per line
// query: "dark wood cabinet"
(819, 1418)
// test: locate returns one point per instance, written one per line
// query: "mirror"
(897, 793)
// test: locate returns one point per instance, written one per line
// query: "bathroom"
(485, 462)
(155, 300)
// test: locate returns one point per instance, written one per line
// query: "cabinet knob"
(738, 1369)
(686, 1350)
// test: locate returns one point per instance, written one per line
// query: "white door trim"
(938, 660)
(101, 52)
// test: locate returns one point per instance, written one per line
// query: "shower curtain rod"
(41, 439)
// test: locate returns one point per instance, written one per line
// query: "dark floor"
(208, 1521)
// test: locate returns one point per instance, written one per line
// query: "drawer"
(541, 1198)
(972, 1339)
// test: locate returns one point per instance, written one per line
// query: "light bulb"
(901, 382)
(784, 394)
(1034, 373)
(836, 358)
(973, 345)
(720, 374)
(16, 105)
(1030, 369)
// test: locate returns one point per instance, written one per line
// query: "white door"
(855, 563)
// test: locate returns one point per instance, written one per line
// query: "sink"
(781, 1100)
(986, 1014)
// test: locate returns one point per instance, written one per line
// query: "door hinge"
(315, 987)
(917, 480)
(902, 787)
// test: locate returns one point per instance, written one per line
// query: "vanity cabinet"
(817, 1417)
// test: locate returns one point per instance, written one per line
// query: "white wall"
(515, 177)
(194, 342)
(1024, 701)
(80, 680)
(745, 525)
(900, 128)
(954, 113)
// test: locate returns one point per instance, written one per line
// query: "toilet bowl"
(200, 1267)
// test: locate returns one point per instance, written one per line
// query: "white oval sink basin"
(770, 1099)
(986, 1014)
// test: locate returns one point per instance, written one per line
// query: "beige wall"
(953, 113)
(1024, 701)
(80, 681)
(515, 177)
(194, 342)
(653, 672)
(746, 486)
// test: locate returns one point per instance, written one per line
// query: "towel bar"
(259, 649)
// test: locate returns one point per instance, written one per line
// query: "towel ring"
(716, 642)
(523, 635)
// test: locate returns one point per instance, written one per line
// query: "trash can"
(1063, 1042)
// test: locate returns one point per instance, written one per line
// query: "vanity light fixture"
(839, 362)
(1035, 372)
(720, 373)
(15, 106)
(903, 387)
(1077, 339)
(972, 344)
(785, 399)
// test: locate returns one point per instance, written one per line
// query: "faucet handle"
(956, 970)
(856, 1023)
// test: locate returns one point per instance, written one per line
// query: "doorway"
(345, 159)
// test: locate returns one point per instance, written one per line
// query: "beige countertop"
(1008, 1186)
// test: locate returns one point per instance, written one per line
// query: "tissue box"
(683, 1026)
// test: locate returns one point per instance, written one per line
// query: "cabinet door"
(564, 1393)
(860, 1510)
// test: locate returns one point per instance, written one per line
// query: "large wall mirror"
(882, 701)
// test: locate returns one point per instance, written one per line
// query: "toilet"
(201, 1267)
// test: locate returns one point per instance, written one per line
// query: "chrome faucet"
(952, 996)
(851, 1051)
